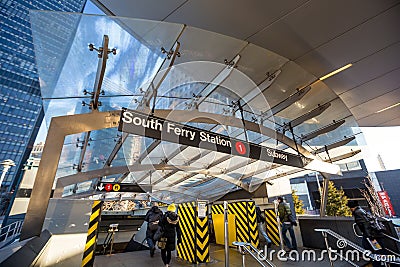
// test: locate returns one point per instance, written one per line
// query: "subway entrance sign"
(118, 187)
(138, 123)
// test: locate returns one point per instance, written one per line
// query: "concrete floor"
(143, 259)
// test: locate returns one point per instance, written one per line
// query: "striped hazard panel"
(217, 209)
(246, 220)
(202, 241)
(252, 222)
(242, 229)
(88, 254)
(187, 220)
(272, 226)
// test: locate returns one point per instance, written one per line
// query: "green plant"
(298, 203)
(337, 202)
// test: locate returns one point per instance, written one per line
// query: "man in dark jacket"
(361, 219)
(153, 216)
(287, 225)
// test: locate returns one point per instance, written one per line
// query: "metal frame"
(73, 124)
(59, 128)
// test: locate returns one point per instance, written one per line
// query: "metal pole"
(319, 185)
(278, 222)
(324, 196)
(308, 195)
(327, 247)
(243, 253)
(112, 242)
(226, 234)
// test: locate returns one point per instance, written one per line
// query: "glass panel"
(201, 79)
(64, 53)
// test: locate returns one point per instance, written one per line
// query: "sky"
(90, 8)
(383, 141)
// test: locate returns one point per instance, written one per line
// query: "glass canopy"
(185, 69)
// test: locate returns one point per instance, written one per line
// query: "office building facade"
(21, 110)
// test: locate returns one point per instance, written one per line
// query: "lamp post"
(7, 164)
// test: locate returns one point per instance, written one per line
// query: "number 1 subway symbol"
(240, 148)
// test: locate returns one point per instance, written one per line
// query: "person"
(287, 220)
(153, 216)
(261, 226)
(170, 228)
(362, 222)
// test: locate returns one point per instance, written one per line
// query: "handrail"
(254, 252)
(107, 242)
(371, 255)
(337, 236)
(13, 228)
(112, 228)
(386, 235)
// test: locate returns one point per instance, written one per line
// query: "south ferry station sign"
(138, 123)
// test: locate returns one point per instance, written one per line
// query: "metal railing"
(109, 241)
(358, 234)
(369, 254)
(10, 232)
(247, 248)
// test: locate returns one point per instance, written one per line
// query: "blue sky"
(90, 8)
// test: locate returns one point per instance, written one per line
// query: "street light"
(7, 164)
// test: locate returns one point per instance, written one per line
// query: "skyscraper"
(21, 110)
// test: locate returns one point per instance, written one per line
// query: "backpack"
(154, 218)
(375, 223)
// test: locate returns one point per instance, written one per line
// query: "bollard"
(112, 228)
(243, 253)
(226, 234)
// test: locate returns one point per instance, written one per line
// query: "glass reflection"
(68, 79)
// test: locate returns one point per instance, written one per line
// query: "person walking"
(287, 220)
(261, 226)
(153, 217)
(371, 240)
(170, 228)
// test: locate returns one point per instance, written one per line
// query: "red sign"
(387, 205)
(108, 187)
(240, 148)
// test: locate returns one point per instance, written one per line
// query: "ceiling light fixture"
(389, 107)
(335, 72)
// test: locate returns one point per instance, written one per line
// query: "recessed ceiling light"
(392, 106)
(335, 72)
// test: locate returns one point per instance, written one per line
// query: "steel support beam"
(73, 124)
(83, 151)
(334, 145)
(84, 176)
(115, 150)
(309, 115)
(324, 196)
(322, 130)
(59, 128)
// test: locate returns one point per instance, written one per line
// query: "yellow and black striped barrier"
(88, 254)
(186, 249)
(252, 222)
(217, 209)
(194, 246)
(202, 240)
(246, 220)
(272, 226)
